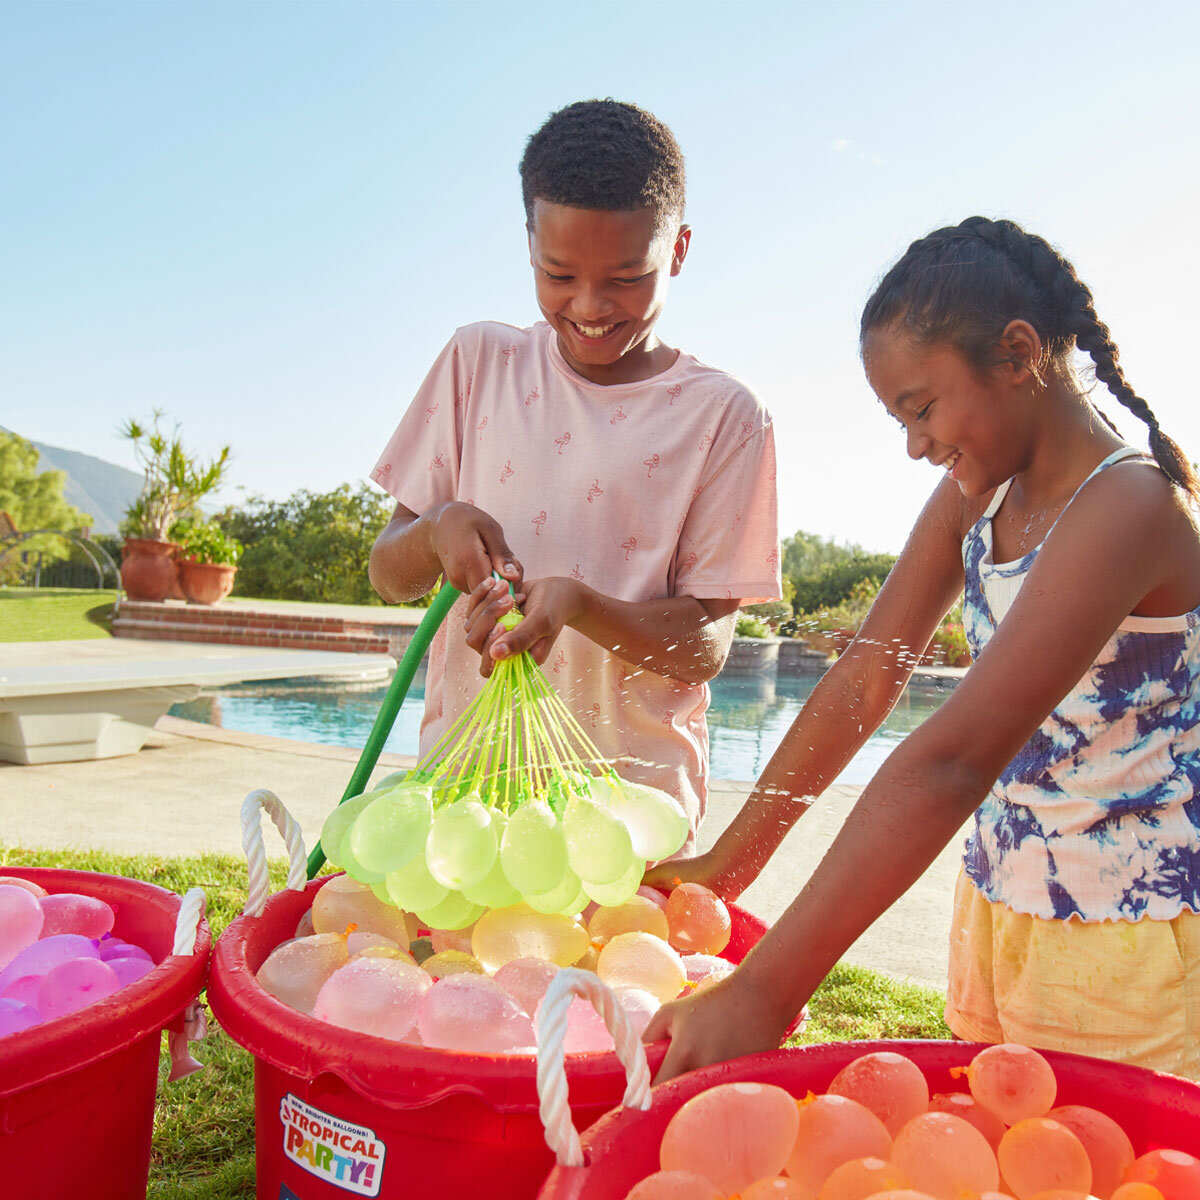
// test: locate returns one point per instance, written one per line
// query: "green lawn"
(204, 1125)
(53, 614)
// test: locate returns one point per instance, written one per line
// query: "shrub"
(749, 626)
(206, 542)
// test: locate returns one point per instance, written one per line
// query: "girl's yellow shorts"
(1121, 990)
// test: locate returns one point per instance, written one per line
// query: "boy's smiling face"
(601, 282)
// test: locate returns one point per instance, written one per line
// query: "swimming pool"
(748, 717)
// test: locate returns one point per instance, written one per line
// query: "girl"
(1074, 738)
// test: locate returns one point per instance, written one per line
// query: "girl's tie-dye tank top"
(1098, 815)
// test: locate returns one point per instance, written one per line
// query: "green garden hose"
(397, 690)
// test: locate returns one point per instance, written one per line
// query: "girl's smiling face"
(960, 419)
(601, 282)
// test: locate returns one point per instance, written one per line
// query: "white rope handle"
(553, 1107)
(187, 924)
(261, 800)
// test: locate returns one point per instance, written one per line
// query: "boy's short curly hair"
(604, 154)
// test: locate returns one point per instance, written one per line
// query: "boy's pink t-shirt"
(662, 487)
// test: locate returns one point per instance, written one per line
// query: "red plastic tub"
(1155, 1110)
(77, 1094)
(340, 1114)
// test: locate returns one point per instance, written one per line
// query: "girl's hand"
(709, 869)
(470, 545)
(725, 1020)
(486, 604)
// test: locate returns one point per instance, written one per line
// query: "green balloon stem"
(406, 669)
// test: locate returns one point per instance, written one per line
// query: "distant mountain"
(93, 485)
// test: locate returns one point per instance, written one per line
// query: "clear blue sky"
(267, 218)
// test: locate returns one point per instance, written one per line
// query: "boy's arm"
(848, 704)
(679, 636)
(453, 539)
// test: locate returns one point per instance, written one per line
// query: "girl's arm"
(848, 704)
(1121, 541)
(678, 636)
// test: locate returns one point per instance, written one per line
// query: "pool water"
(747, 719)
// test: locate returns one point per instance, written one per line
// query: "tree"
(34, 499)
(824, 573)
(311, 546)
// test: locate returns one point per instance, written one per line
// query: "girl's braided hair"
(963, 284)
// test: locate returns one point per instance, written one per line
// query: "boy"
(636, 483)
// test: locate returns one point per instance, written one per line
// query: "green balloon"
(558, 897)
(389, 781)
(338, 823)
(353, 867)
(412, 888)
(657, 824)
(495, 890)
(454, 912)
(389, 832)
(461, 846)
(533, 849)
(599, 848)
(613, 894)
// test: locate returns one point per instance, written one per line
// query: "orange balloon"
(832, 1131)
(1175, 1173)
(891, 1086)
(861, 1177)
(1136, 1191)
(673, 1185)
(963, 1104)
(732, 1134)
(1108, 1147)
(1012, 1081)
(1039, 1154)
(946, 1156)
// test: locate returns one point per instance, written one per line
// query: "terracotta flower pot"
(148, 570)
(205, 583)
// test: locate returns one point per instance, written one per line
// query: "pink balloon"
(74, 985)
(24, 989)
(659, 898)
(15, 1016)
(21, 921)
(34, 889)
(473, 1015)
(68, 912)
(39, 957)
(129, 970)
(586, 1031)
(526, 980)
(111, 948)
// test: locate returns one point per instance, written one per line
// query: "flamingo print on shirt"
(508, 471)
(707, 440)
(619, 415)
(563, 441)
(650, 463)
(480, 428)
(576, 573)
(538, 522)
(674, 393)
(508, 352)
(594, 491)
(430, 413)
(533, 395)
(594, 713)
(629, 545)
(560, 661)
(439, 461)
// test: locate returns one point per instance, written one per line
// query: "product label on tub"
(347, 1156)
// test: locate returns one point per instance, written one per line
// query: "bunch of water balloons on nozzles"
(58, 954)
(514, 804)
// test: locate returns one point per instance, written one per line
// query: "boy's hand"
(547, 604)
(470, 545)
(723, 1021)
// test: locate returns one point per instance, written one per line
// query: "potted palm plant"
(207, 561)
(173, 484)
